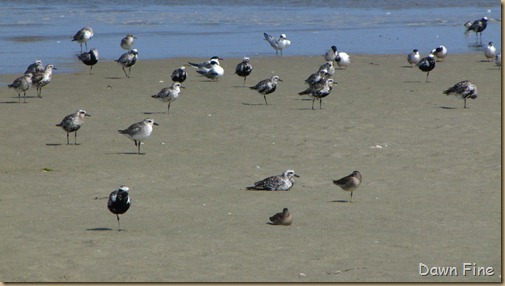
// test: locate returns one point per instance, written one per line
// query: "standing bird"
(497, 59)
(278, 44)
(215, 71)
(169, 94)
(127, 60)
(42, 78)
(478, 26)
(440, 52)
(283, 218)
(427, 64)
(282, 182)
(119, 202)
(244, 68)
(343, 59)
(463, 89)
(127, 42)
(349, 183)
(83, 36)
(331, 54)
(139, 131)
(319, 91)
(316, 77)
(22, 84)
(328, 67)
(72, 123)
(266, 86)
(205, 66)
(35, 67)
(179, 75)
(414, 57)
(490, 51)
(89, 58)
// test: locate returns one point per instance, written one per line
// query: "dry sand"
(431, 169)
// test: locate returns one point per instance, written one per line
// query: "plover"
(244, 68)
(278, 44)
(316, 77)
(22, 84)
(179, 75)
(127, 42)
(414, 57)
(35, 67)
(138, 132)
(497, 59)
(83, 36)
(349, 183)
(127, 60)
(282, 218)
(119, 202)
(427, 64)
(215, 71)
(464, 90)
(328, 67)
(343, 59)
(319, 91)
(169, 94)
(42, 78)
(89, 58)
(72, 123)
(440, 52)
(204, 67)
(490, 51)
(331, 54)
(478, 26)
(266, 86)
(282, 182)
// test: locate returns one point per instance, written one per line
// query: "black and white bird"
(22, 84)
(42, 78)
(169, 94)
(414, 57)
(89, 58)
(244, 68)
(477, 26)
(83, 36)
(343, 59)
(266, 86)
(278, 44)
(440, 52)
(318, 76)
(464, 90)
(127, 42)
(427, 64)
(319, 91)
(328, 67)
(282, 182)
(138, 132)
(127, 60)
(179, 75)
(215, 71)
(72, 123)
(119, 202)
(206, 65)
(282, 218)
(331, 54)
(349, 183)
(490, 51)
(35, 67)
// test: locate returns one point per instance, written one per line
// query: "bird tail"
(193, 64)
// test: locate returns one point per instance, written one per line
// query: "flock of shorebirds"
(320, 85)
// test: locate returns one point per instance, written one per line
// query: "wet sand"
(431, 190)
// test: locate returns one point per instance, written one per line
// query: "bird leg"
(265, 97)
(168, 108)
(320, 103)
(68, 142)
(351, 198)
(125, 72)
(75, 138)
(118, 225)
(313, 103)
(465, 102)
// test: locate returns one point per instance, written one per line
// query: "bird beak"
(296, 175)
(154, 123)
(87, 115)
(54, 68)
(280, 80)
(183, 86)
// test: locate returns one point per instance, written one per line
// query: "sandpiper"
(282, 218)
(349, 183)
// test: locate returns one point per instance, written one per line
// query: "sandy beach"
(431, 191)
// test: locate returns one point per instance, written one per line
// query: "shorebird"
(478, 26)
(266, 86)
(35, 67)
(282, 182)
(244, 68)
(205, 66)
(215, 71)
(83, 36)
(179, 75)
(328, 67)
(316, 77)
(127, 42)
(319, 91)
(42, 78)
(440, 52)
(139, 131)
(278, 44)
(343, 59)
(119, 202)
(72, 123)
(349, 183)
(22, 84)
(331, 54)
(89, 58)
(283, 218)
(414, 57)
(127, 60)
(169, 94)
(427, 64)
(464, 90)
(490, 51)
(497, 59)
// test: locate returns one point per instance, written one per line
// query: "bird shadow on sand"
(154, 112)
(99, 229)
(252, 104)
(9, 102)
(340, 201)
(411, 67)
(125, 153)
(54, 144)
(115, 77)
(411, 81)
(446, 107)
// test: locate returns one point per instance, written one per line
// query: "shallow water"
(43, 30)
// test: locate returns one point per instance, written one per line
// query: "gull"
(440, 52)
(266, 86)
(215, 71)
(119, 202)
(282, 182)
(72, 123)
(139, 131)
(83, 36)
(282, 218)
(277, 44)
(22, 84)
(205, 66)
(127, 60)
(490, 51)
(464, 90)
(179, 75)
(319, 91)
(414, 57)
(42, 78)
(127, 42)
(169, 94)
(478, 26)
(349, 183)
(427, 64)
(89, 58)
(244, 68)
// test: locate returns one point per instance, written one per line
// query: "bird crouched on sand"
(72, 123)
(119, 202)
(22, 84)
(414, 57)
(215, 71)
(282, 218)
(349, 183)
(244, 68)
(464, 90)
(89, 58)
(205, 66)
(440, 52)
(127, 60)
(282, 182)
(42, 78)
(138, 132)
(266, 86)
